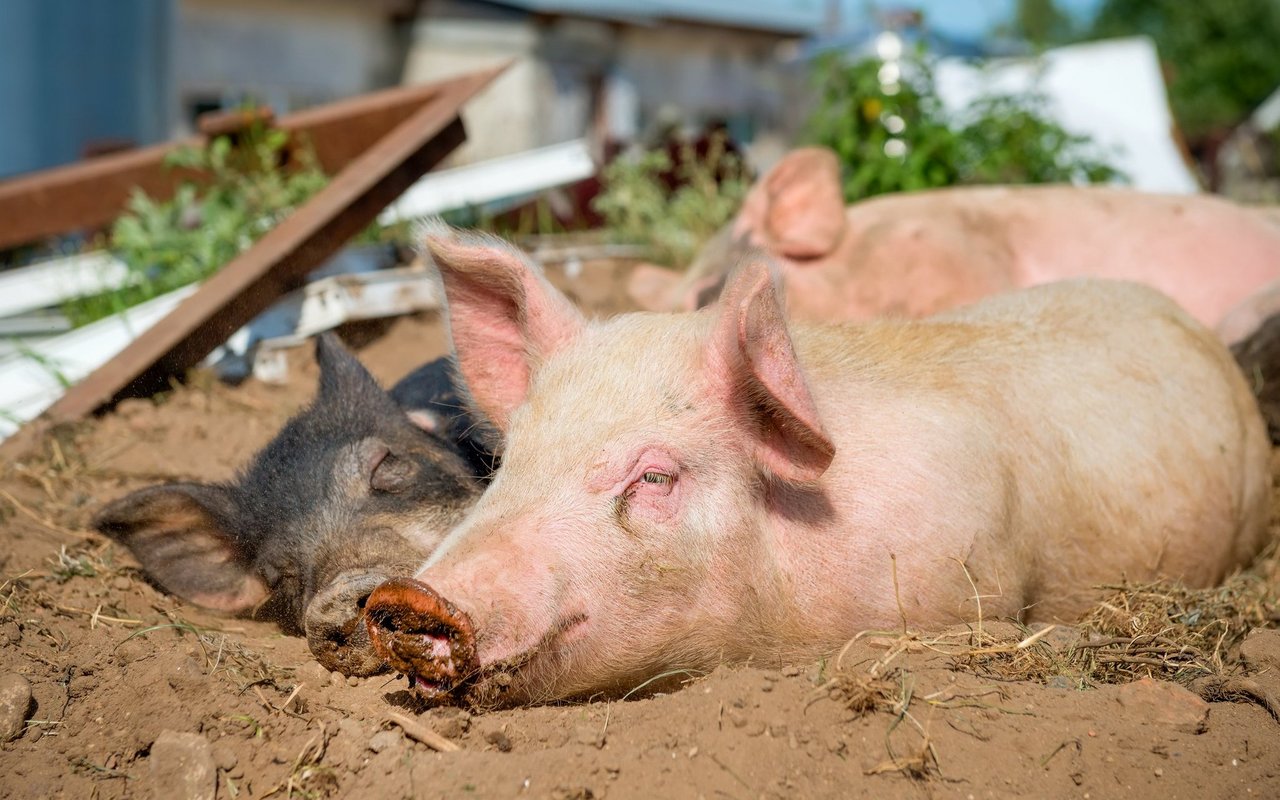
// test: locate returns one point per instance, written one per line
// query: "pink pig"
(679, 490)
(918, 253)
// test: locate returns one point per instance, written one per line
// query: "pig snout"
(423, 635)
(334, 624)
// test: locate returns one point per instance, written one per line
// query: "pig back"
(1048, 441)
(1137, 447)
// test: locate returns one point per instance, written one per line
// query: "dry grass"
(1161, 630)
(886, 688)
(308, 778)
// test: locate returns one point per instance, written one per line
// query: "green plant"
(1011, 139)
(238, 190)
(1039, 22)
(892, 133)
(638, 204)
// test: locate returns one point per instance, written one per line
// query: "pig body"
(918, 253)
(679, 490)
(358, 487)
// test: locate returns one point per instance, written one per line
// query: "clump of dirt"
(133, 694)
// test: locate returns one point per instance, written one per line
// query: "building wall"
(700, 73)
(287, 53)
(78, 75)
(506, 118)
(572, 77)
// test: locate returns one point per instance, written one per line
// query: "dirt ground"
(136, 695)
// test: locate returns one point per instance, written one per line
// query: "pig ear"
(341, 373)
(504, 317)
(426, 419)
(763, 376)
(797, 210)
(180, 534)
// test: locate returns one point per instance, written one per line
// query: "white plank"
(495, 179)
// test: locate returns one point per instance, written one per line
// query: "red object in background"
(572, 206)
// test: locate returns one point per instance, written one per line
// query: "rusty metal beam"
(92, 193)
(279, 261)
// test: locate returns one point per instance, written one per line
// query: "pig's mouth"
(421, 634)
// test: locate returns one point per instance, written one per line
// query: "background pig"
(349, 493)
(1259, 356)
(917, 253)
(683, 489)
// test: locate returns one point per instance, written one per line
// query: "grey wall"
(75, 72)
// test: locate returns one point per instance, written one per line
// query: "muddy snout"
(421, 634)
(334, 624)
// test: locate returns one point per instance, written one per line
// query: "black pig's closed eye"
(392, 474)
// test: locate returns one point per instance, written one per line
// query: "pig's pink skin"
(918, 253)
(1038, 443)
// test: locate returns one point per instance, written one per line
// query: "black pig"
(358, 487)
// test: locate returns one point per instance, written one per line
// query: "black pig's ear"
(428, 419)
(342, 376)
(181, 535)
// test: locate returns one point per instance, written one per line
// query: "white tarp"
(1112, 91)
(33, 378)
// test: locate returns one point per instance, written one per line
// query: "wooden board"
(281, 259)
(90, 194)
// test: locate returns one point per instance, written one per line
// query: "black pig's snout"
(334, 624)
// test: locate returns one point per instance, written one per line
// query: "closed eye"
(651, 483)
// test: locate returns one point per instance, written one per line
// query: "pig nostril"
(421, 634)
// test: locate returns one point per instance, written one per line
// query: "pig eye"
(659, 482)
(392, 474)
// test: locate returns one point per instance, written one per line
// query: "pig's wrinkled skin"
(918, 253)
(357, 488)
(679, 490)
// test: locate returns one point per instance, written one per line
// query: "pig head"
(355, 489)
(679, 490)
(917, 253)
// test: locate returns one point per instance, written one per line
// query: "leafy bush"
(895, 135)
(239, 191)
(638, 204)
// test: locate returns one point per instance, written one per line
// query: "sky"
(967, 19)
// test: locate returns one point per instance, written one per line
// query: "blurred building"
(82, 77)
(79, 77)
(288, 54)
(617, 70)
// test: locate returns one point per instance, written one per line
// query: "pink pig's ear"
(753, 344)
(503, 316)
(797, 209)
